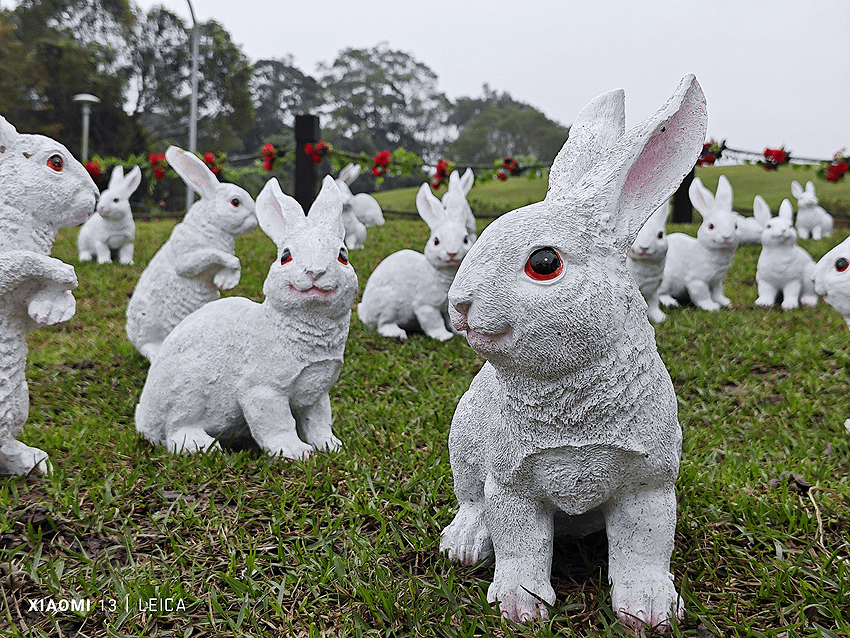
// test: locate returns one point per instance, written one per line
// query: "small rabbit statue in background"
(42, 189)
(695, 267)
(783, 266)
(407, 290)
(237, 368)
(111, 228)
(198, 259)
(812, 220)
(358, 211)
(574, 411)
(455, 199)
(646, 260)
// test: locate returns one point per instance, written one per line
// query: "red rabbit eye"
(544, 264)
(56, 163)
(343, 256)
(841, 264)
(285, 256)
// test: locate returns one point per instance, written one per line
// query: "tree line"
(138, 63)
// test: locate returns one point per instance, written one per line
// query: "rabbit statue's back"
(42, 189)
(237, 368)
(111, 228)
(574, 410)
(198, 259)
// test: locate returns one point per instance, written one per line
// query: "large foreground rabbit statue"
(574, 410)
(112, 227)
(42, 189)
(198, 259)
(237, 368)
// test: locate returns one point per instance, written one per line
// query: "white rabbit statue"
(358, 211)
(237, 367)
(455, 197)
(408, 290)
(42, 189)
(783, 266)
(812, 220)
(574, 411)
(646, 260)
(695, 267)
(198, 259)
(111, 228)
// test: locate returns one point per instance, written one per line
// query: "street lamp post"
(86, 99)
(193, 113)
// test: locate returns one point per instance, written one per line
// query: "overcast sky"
(773, 72)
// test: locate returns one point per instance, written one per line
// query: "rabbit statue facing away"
(198, 259)
(574, 410)
(646, 260)
(358, 211)
(407, 290)
(812, 220)
(111, 228)
(237, 368)
(42, 189)
(783, 266)
(695, 268)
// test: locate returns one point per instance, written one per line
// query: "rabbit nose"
(315, 272)
(462, 306)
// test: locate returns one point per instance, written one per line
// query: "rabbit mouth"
(315, 291)
(488, 342)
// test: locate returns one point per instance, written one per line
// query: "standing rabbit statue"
(408, 290)
(646, 260)
(695, 268)
(111, 228)
(358, 211)
(812, 220)
(236, 367)
(198, 259)
(783, 267)
(455, 198)
(574, 411)
(42, 189)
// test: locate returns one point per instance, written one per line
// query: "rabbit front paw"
(649, 599)
(227, 278)
(467, 539)
(190, 440)
(329, 443)
(49, 307)
(291, 448)
(521, 600)
(392, 331)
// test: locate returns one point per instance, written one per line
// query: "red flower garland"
(158, 164)
(711, 152)
(511, 166)
(382, 162)
(269, 156)
(214, 166)
(502, 175)
(441, 173)
(774, 158)
(317, 151)
(95, 167)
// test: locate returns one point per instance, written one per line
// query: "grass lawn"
(747, 181)
(346, 544)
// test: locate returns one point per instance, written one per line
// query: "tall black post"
(683, 211)
(307, 131)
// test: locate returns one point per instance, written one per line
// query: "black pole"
(683, 211)
(307, 131)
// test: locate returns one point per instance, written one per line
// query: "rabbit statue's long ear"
(8, 134)
(723, 196)
(659, 215)
(701, 198)
(350, 173)
(796, 189)
(462, 184)
(327, 209)
(117, 176)
(276, 212)
(193, 171)
(810, 187)
(786, 210)
(429, 207)
(761, 211)
(132, 181)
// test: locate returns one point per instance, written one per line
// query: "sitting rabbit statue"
(407, 290)
(358, 211)
(42, 189)
(783, 266)
(695, 268)
(574, 410)
(111, 228)
(646, 260)
(455, 197)
(237, 367)
(198, 259)
(812, 220)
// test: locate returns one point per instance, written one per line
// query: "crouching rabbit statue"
(574, 411)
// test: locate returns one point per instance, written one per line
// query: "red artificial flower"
(382, 158)
(308, 148)
(377, 172)
(836, 171)
(158, 172)
(95, 168)
(153, 158)
(317, 159)
(209, 159)
(502, 175)
(268, 150)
